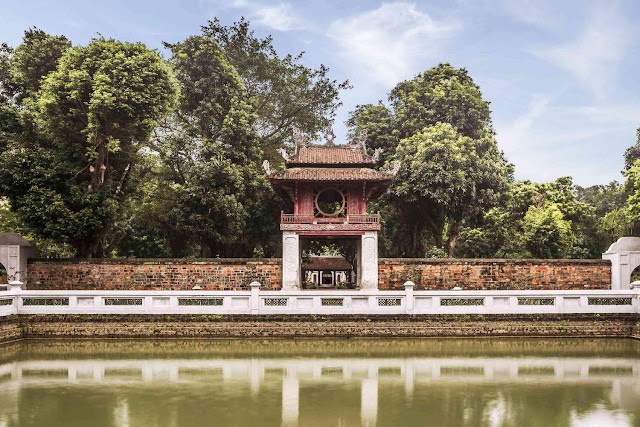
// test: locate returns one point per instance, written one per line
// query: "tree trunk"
(453, 232)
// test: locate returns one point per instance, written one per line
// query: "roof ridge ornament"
(329, 137)
(393, 167)
(359, 140)
(376, 154)
(300, 139)
(268, 168)
(284, 153)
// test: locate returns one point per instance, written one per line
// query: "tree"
(211, 154)
(285, 94)
(71, 169)
(378, 122)
(445, 180)
(442, 94)
(456, 165)
(632, 153)
(499, 232)
(604, 198)
(546, 234)
(34, 59)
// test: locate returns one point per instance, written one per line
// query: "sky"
(562, 76)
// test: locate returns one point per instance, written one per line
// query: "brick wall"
(534, 274)
(234, 274)
(154, 274)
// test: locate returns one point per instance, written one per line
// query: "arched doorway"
(4, 279)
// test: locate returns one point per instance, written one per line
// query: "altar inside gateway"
(326, 272)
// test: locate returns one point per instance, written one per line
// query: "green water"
(515, 382)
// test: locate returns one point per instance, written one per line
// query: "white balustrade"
(320, 302)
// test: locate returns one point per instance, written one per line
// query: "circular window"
(330, 202)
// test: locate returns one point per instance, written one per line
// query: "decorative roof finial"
(393, 167)
(268, 168)
(300, 139)
(329, 136)
(283, 152)
(359, 140)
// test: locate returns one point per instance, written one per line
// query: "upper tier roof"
(342, 155)
(330, 162)
(332, 174)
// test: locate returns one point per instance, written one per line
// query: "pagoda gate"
(330, 185)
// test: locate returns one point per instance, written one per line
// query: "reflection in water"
(321, 383)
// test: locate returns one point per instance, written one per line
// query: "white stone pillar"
(619, 269)
(290, 261)
(13, 263)
(290, 401)
(369, 260)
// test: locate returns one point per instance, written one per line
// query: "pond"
(484, 382)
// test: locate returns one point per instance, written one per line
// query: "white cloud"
(628, 114)
(533, 12)
(387, 43)
(593, 57)
(280, 17)
(549, 140)
(511, 134)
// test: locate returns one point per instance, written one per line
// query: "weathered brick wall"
(440, 274)
(234, 274)
(154, 274)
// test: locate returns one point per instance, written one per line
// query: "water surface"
(499, 382)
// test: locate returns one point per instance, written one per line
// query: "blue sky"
(562, 76)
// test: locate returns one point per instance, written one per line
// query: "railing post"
(408, 290)
(255, 297)
(15, 285)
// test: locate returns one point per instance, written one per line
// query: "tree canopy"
(70, 168)
(110, 149)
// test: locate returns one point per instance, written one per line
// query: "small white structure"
(625, 257)
(14, 252)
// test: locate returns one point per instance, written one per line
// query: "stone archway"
(14, 252)
(625, 257)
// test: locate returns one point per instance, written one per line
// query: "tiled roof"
(331, 174)
(325, 155)
(327, 263)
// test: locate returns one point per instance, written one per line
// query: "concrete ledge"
(10, 329)
(273, 326)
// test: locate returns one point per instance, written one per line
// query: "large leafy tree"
(546, 233)
(284, 93)
(443, 94)
(71, 169)
(438, 126)
(210, 154)
(445, 180)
